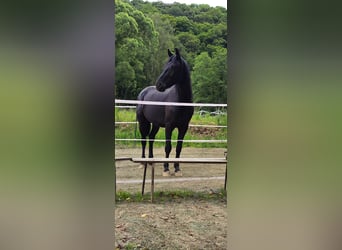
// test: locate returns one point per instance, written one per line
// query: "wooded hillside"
(143, 33)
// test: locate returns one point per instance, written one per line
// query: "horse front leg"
(181, 134)
(168, 147)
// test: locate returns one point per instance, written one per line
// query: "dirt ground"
(128, 171)
(191, 223)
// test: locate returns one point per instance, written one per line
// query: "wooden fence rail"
(150, 162)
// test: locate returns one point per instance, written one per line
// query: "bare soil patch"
(204, 131)
(186, 224)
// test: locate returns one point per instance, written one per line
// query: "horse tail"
(139, 109)
(141, 97)
(135, 126)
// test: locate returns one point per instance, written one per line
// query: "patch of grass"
(162, 196)
(126, 196)
(129, 246)
(208, 119)
(124, 115)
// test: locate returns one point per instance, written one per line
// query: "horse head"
(172, 72)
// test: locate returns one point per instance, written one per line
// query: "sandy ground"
(191, 223)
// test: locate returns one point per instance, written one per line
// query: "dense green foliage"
(144, 31)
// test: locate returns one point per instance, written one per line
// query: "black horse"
(173, 85)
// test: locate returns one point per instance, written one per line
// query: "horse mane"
(186, 80)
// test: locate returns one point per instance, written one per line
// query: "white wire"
(129, 107)
(170, 103)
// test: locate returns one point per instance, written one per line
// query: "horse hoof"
(178, 173)
(166, 173)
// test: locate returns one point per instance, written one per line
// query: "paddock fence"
(120, 101)
(131, 104)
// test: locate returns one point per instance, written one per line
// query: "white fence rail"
(119, 101)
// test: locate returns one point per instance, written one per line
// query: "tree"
(189, 40)
(136, 43)
(209, 77)
(125, 26)
(125, 74)
(183, 24)
(144, 32)
(166, 38)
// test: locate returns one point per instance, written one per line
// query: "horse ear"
(169, 53)
(177, 53)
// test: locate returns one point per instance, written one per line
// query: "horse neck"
(184, 90)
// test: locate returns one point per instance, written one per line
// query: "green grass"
(163, 196)
(209, 120)
(131, 131)
(131, 246)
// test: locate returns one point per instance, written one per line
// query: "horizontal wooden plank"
(180, 160)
